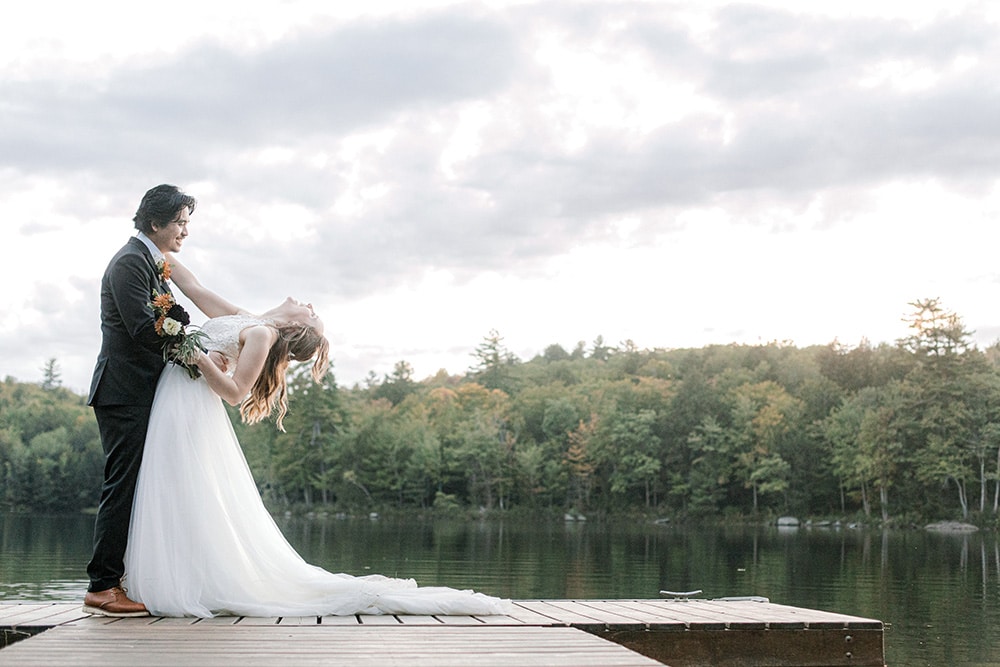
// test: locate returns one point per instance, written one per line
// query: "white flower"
(171, 327)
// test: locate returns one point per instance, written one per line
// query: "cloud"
(344, 160)
(786, 114)
(182, 110)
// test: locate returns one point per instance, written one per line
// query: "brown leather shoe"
(113, 602)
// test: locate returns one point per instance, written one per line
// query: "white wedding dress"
(201, 542)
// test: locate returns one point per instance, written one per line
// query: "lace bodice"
(224, 333)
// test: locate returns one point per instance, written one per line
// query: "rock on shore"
(951, 527)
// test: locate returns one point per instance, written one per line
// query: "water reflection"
(939, 592)
(43, 557)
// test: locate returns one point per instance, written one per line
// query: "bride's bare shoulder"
(259, 332)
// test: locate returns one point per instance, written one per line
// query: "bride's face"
(295, 311)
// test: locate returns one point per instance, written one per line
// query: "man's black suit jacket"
(131, 357)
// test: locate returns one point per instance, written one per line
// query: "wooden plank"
(139, 621)
(95, 620)
(523, 613)
(811, 617)
(738, 610)
(584, 615)
(640, 615)
(259, 620)
(733, 614)
(456, 620)
(299, 620)
(61, 616)
(698, 616)
(496, 619)
(775, 618)
(226, 646)
(747, 614)
(815, 617)
(378, 619)
(422, 620)
(12, 614)
(46, 616)
(220, 620)
(653, 615)
(164, 621)
(339, 620)
(691, 616)
(667, 618)
(543, 610)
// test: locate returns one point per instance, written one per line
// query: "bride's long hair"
(296, 342)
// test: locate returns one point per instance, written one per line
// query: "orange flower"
(165, 271)
(163, 301)
(159, 325)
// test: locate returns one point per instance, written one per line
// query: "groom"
(124, 381)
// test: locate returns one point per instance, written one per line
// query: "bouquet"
(179, 345)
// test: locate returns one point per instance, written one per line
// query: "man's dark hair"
(161, 206)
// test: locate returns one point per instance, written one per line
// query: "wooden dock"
(678, 633)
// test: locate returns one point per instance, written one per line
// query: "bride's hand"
(219, 360)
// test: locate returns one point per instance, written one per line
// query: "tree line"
(891, 433)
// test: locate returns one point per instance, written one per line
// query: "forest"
(889, 434)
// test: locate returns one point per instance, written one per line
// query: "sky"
(675, 174)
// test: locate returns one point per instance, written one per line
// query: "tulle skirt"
(201, 542)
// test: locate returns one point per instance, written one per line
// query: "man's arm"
(131, 286)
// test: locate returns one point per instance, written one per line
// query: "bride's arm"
(205, 299)
(233, 389)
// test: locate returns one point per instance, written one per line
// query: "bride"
(201, 542)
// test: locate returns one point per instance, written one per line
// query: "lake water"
(939, 594)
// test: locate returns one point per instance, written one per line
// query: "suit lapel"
(144, 251)
(163, 286)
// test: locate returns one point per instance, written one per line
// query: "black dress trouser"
(123, 435)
